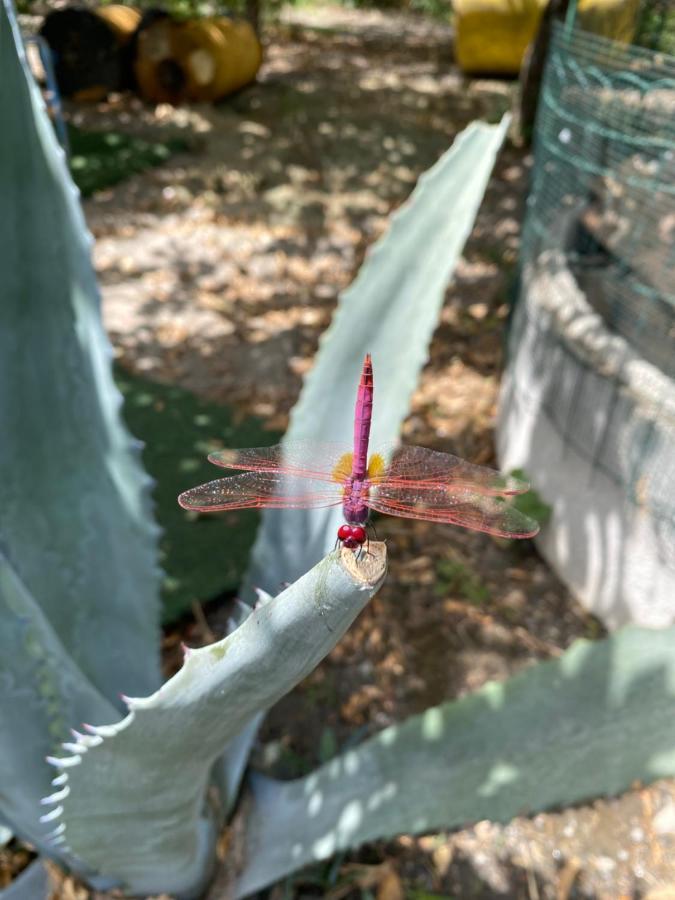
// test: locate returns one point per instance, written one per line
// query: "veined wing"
(455, 506)
(251, 490)
(414, 466)
(306, 459)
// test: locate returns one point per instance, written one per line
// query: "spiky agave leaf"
(75, 521)
(588, 724)
(390, 311)
(43, 690)
(78, 573)
(132, 796)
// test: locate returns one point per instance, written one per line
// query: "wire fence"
(598, 258)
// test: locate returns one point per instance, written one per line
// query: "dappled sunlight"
(284, 188)
(556, 736)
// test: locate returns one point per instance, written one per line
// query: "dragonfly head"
(352, 536)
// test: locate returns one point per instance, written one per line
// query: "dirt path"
(219, 273)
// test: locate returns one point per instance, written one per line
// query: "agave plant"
(136, 798)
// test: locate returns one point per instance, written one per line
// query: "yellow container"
(122, 20)
(199, 60)
(240, 62)
(493, 35)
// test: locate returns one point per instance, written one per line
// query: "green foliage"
(438, 9)
(202, 556)
(426, 895)
(454, 576)
(186, 9)
(100, 159)
(655, 27)
(531, 503)
(328, 745)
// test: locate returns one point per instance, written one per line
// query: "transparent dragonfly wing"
(411, 466)
(454, 506)
(261, 490)
(307, 459)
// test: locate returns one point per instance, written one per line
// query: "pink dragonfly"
(416, 484)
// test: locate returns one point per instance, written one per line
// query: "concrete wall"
(593, 425)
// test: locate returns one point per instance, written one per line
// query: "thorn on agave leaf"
(74, 748)
(243, 609)
(51, 815)
(87, 741)
(56, 798)
(96, 730)
(263, 597)
(128, 701)
(186, 650)
(65, 762)
(102, 731)
(57, 832)
(60, 779)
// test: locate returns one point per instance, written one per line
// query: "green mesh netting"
(605, 151)
(598, 259)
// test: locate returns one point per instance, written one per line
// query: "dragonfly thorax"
(354, 503)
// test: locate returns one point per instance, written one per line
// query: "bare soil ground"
(219, 273)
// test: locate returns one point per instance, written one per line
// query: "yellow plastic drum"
(242, 58)
(493, 35)
(200, 60)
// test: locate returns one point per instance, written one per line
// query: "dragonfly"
(398, 480)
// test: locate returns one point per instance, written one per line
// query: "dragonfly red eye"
(351, 544)
(359, 534)
(345, 532)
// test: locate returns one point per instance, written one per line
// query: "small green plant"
(531, 503)
(455, 577)
(101, 159)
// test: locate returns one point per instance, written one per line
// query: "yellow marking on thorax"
(343, 467)
(376, 466)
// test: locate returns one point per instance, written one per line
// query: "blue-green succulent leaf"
(42, 692)
(75, 523)
(390, 311)
(132, 802)
(588, 724)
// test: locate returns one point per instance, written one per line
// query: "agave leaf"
(31, 884)
(391, 311)
(135, 806)
(587, 724)
(43, 692)
(75, 510)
